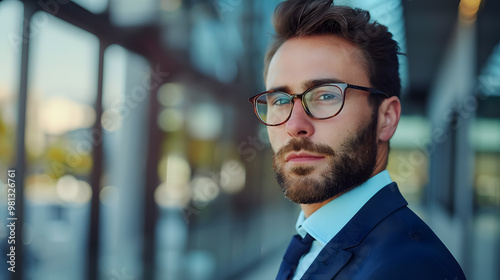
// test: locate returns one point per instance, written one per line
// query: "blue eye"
(325, 96)
(279, 101)
(328, 96)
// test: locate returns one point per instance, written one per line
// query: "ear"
(389, 113)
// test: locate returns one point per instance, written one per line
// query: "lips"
(303, 157)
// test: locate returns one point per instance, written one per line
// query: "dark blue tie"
(298, 246)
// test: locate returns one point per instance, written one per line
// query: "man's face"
(316, 160)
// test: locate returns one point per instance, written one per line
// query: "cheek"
(356, 108)
(334, 132)
(355, 114)
(331, 136)
(277, 137)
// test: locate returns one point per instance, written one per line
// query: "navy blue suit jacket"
(385, 241)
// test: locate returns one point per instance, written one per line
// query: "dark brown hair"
(297, 18)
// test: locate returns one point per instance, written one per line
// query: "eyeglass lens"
(322, 102)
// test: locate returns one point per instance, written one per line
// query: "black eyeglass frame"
(342, 86)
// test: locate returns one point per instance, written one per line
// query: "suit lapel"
(334, 256)
(327, 264)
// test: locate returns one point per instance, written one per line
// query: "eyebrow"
(317, 82)
(308, 84)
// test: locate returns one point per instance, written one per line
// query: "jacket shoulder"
(402, 246)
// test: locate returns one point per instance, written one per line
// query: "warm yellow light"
(172, 196)
(59, 115)
(174, 191)
(71, 190)
(4, 93)
(172, 95)
(205, 189)
(468, 9)
(171, 119)
(232, 176)
(40, 189)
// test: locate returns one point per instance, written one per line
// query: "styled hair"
(299, 18)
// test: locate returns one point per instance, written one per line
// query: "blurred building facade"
(137, 155)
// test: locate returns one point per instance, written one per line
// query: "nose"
(299, 124)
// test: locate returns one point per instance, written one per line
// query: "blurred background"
(137, 154)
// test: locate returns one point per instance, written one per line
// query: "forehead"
(317, 57)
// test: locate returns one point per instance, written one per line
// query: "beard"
(349, 166)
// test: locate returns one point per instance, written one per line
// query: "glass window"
(220, 33)
(485, 139)
(125, 122)
(192, 122)
(485, 136)
(200, 171)
(62, 89)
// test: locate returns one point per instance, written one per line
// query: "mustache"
(304, 144)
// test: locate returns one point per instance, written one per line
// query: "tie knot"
(308, 239)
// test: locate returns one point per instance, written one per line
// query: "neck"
(309, 209)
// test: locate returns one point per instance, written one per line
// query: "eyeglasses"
(320, 102)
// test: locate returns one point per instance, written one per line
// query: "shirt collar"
(327, 221)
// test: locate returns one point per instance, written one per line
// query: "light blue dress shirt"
(327, 221)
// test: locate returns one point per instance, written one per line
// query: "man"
(331, 107)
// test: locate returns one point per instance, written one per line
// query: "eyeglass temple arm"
(370, 90)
